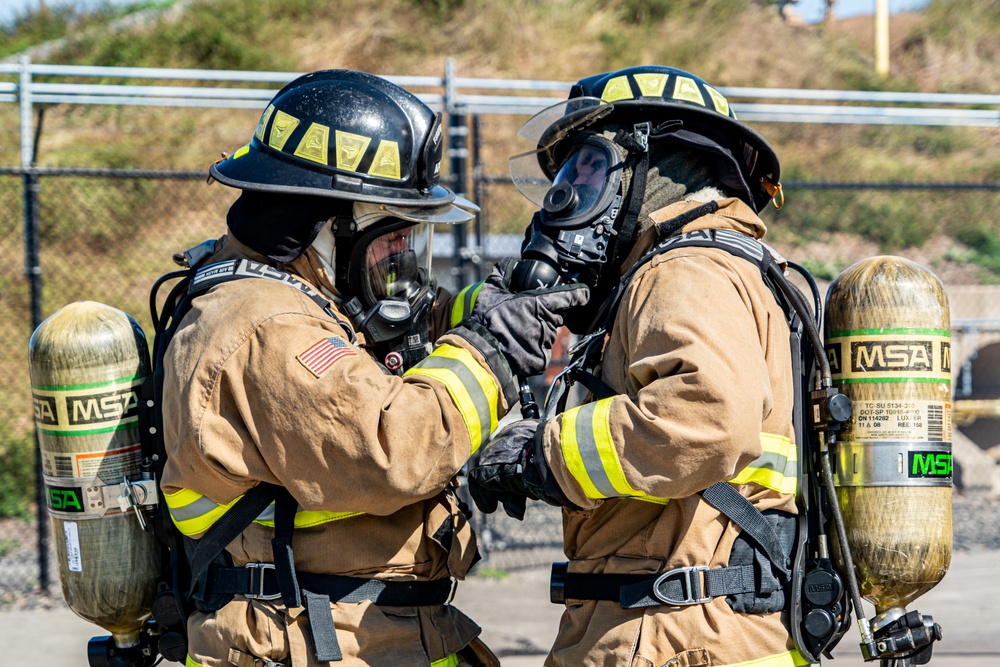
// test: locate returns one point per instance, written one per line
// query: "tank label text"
(71, 533)
(889, 355)
(900, 419)
(87, 409)
(930, 464)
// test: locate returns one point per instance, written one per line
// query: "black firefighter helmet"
(657, 94)
(347, 135)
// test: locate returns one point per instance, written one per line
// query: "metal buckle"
(688, 581)
(259, 595)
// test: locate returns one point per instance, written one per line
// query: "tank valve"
(906, 640)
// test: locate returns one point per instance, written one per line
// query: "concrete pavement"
(519, 622)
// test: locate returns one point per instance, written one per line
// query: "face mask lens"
(394, 260)
(586, 171)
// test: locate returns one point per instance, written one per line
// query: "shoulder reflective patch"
(686, 89)
(720, 102)
(314, 143)
(325, 353)
(617, 89)
(350, 149)
(259, 132)
(651, 85)
(386, 162)
(281, 128)
(240, 152)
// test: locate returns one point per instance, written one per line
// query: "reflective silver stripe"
(193, 510)
(740, 241)
(472, 386)
(589, 453)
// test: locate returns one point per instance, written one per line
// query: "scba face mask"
(389, 276)
(569, 237)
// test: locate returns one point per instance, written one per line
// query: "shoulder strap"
(211, 275)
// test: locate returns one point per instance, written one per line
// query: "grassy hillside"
(949, 47)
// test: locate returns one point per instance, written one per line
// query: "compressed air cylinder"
(87, 363)
(888, 342)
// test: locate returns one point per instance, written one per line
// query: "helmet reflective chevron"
(347, 135)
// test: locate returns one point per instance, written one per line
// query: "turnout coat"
(699, 358)
(261, 385)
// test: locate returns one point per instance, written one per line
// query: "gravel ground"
(976, 525)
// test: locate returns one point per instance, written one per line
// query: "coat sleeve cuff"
(487, 345)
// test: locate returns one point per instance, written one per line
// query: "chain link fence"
(106, 235)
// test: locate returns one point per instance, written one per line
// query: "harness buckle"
(260, 595)
(689, 579)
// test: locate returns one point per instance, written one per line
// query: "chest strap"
(679, 587)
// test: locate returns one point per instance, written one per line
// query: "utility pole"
(882, 38)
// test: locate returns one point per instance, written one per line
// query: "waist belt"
(259, 581)
(679, 587)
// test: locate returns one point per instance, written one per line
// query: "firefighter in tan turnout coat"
(691, 396)
(316, 378)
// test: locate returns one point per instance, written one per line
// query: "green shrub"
(17, 476)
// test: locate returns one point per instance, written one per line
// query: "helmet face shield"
(542, 133)
(397, 262)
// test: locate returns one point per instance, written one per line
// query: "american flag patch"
(323, 354)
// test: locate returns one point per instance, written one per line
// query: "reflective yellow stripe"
(791, 659)
(193, 513)
(450, 661)
(471, 388)
(775, 469)
(190, 662)
(590, 454)
(464, 303)
(309, 518)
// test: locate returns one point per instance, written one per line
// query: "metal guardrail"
(512, 96)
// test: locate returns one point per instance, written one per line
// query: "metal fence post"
(33, 272)
(458, 155)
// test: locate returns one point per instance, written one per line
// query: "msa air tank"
(87, 363)
(887, 337)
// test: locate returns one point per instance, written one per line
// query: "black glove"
(524, 323)
(512, 468)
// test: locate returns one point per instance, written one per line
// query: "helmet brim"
(459, 211)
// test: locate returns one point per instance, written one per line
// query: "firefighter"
(318, 384)
(689, 375)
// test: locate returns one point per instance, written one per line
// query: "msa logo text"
(930, 464)
(104, 407)
(45, 409)
(869, 356)
(64, 499)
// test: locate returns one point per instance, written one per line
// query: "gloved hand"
(511, 469)
(524, 323)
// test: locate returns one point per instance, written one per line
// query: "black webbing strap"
(285, 508)
(228, 528)
(679, 587)
(317, 604)
(723, 497)
(259, 580)
(324, 632)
